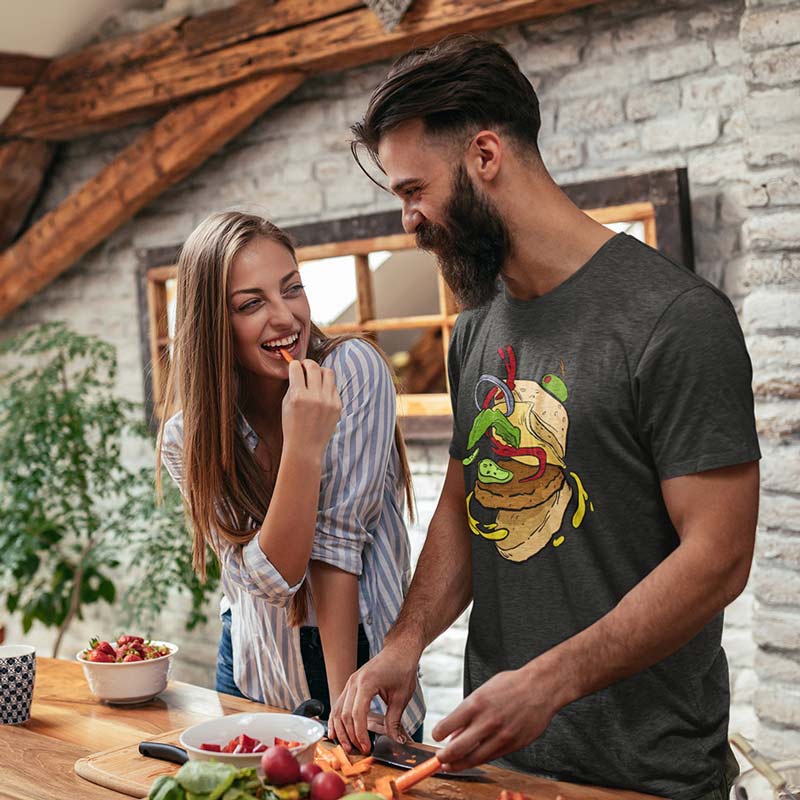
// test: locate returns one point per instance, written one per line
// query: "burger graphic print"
(518, 442)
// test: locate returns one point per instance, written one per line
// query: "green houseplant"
(77, 524)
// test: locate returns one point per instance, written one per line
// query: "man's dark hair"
(456, 87)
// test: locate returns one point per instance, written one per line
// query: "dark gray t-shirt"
(570, 409)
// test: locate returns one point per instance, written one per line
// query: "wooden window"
(160, 291)
(652, 207)
(399, 299)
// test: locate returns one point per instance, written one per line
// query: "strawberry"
(130, 640)
(133, 657)
(103, 647)
(100, 657)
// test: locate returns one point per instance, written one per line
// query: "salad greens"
(210, 780)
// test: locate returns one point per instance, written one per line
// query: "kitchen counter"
(68, 722)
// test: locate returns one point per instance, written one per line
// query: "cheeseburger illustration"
(523, 481)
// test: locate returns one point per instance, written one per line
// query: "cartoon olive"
(553, 384)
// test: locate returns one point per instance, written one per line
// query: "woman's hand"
(311, 407)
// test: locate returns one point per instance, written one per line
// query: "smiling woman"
(292, 468)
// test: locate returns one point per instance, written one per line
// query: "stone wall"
(626, 87)
(770, 274)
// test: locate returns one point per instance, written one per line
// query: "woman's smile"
(291, 344)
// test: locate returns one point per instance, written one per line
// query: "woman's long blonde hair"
(226, 493)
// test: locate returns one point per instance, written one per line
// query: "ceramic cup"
(17, 674)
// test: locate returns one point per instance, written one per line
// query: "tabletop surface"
(68, 722)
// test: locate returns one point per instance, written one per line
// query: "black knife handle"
(165, 752)
(309, 708)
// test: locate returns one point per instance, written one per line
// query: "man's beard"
(471, 246)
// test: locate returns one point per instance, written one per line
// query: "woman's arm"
(311, 410)
(335, 594)
(351, 501)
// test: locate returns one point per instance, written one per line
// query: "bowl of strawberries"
(131, 670)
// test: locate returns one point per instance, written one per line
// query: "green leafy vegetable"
(209, 779)
(493, 418)
(165, 787)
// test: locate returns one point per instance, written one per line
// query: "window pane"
(405, 284)
(331, 289)
(171, 288)
(633, 228)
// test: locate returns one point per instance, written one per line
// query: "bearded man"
(600, 503)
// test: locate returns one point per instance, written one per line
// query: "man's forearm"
(442, 584)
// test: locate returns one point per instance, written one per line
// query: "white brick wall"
(626, 86)
(770, 37)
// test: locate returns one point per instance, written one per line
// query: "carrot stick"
(386, 787)
(287, 356)
(419, 773)
(340, 755)
(365, 765)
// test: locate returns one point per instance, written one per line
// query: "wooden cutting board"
(124, 770)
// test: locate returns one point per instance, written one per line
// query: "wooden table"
(68, 722)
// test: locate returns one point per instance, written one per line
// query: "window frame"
(659, 199)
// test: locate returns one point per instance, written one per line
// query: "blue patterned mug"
(17, 674)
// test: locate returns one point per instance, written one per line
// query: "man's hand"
(508, 712)
(392, 674)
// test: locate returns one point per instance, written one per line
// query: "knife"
(407, 756)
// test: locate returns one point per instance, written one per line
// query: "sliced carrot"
(419, 773)
(339, 753)
(360, 767)
(323, 755)
(386, 787)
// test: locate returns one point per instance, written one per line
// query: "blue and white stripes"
(360, 529)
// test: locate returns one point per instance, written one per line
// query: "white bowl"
(129, 681)
(264, 726)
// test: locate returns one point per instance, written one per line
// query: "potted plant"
(75, 516)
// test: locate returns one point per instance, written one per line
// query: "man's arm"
(440, 591)
(715, 516)
(442, 585)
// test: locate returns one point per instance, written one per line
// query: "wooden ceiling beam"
(63, 109)
(176, 145)
(184, 37)
(19, 71)
(23, 165)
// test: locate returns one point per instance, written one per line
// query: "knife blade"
(406, 756)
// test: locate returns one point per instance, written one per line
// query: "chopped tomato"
(286, 743)
(241, 744)
(214, 748)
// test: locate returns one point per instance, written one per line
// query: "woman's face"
(268, 307)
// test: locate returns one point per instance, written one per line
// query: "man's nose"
(411, 220)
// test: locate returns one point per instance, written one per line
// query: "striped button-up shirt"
(360, 529)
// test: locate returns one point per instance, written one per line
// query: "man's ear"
(485, 154)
